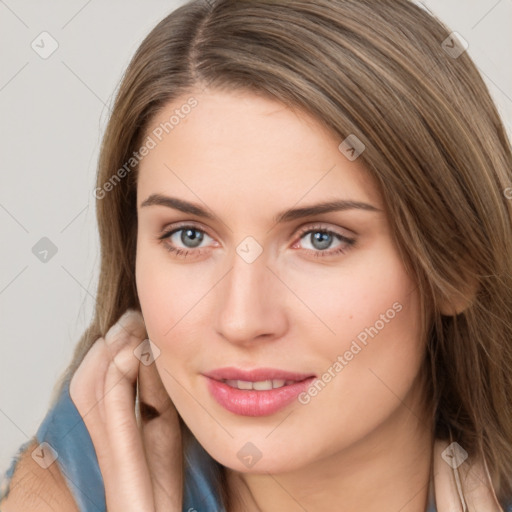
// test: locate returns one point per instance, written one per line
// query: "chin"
(247, 458)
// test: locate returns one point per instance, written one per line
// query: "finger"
(128, 470)
(122, 340)
(161, 434)
(446, 491)
(86, 390)
(127, 455)
(130, 326)
(86, 384)
(92, 392)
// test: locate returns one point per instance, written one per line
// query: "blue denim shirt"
(64, 430)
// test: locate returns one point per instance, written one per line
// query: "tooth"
(262, 385)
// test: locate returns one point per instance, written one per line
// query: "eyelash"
(350, 242)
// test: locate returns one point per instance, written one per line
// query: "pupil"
(196, 240)
(323, 238)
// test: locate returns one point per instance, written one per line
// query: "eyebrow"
(285, 216)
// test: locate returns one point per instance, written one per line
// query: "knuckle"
(130, 325)
(124, 361)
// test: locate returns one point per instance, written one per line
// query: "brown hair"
(435, 146)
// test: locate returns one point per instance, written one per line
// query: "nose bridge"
(247, 305)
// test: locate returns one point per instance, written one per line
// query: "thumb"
(161, 433)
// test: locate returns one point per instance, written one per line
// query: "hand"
(140, 461)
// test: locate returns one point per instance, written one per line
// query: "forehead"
(241, 145)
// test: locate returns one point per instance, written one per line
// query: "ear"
(459, 301)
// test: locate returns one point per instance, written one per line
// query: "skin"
(363, 443)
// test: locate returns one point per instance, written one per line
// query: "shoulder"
(32, 487)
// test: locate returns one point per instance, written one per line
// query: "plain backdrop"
(53, 112)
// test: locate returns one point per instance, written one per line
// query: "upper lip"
(255, 375)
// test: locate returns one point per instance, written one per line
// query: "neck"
(388, 470)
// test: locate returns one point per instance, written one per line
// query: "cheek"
(378, 350)
(150, 281)
(368, 296)
(167, 323)
(170, 299)
(165, 290)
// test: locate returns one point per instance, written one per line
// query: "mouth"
(261, 385)
(258, 392)
(256, 375)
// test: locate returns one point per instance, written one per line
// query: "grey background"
(53, 113)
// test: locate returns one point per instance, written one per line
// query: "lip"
(255, 402)
(257, 374)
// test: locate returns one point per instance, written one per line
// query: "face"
(316, 305)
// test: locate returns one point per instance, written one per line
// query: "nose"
(251, 303)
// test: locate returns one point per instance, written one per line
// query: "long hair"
(392, 75)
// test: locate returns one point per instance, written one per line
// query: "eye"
(186, 239)
(188, 236)
(322, 238)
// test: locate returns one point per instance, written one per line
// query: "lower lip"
(253, 402)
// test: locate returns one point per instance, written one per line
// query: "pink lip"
(254, 402)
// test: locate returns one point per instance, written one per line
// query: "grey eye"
(191, 237)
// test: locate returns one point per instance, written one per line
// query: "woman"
(303, 205)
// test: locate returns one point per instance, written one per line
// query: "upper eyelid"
(321, 227)
(167, 231)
